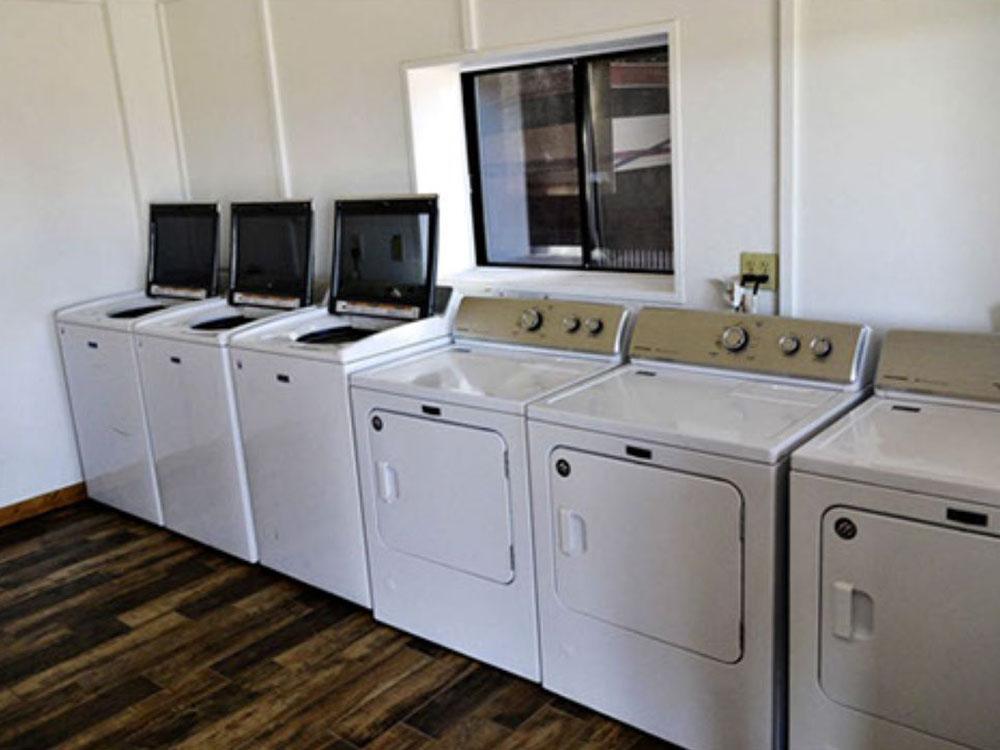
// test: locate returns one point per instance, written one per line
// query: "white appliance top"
(950, 450)
(213, 322)
(745, 386)
(752, 419)
(316, 334)
(508, 352)
(482, 376)
(934, 428)
(119, 312)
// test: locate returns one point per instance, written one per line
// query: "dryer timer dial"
(531, 319)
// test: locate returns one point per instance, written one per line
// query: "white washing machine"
(659, 496)
(895, 557)
(100, 364)
(292, 394)
(185, 371)
(443, 461)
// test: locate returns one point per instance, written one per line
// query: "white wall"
(893, 133)
(303, 98)
(899, 162)
(69, 205)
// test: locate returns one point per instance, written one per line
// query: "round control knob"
(571, 324)
(531, 319)
(821, 346)
(735, 338)
(594, 326)
(789, 345)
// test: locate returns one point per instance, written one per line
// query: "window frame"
(588, 203)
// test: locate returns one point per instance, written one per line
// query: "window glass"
(184, 246)
(272, 255)
(384, 256)
(528, 165)
(630, 114)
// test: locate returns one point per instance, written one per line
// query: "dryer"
(895, 557)
(100, 363)
(442, 456)
(185, 371)
(658, 493)
(291, 378)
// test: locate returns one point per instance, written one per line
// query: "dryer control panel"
(769, 345)
(555, 324)
(934, 363)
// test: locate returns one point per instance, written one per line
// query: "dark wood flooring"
(117, 634)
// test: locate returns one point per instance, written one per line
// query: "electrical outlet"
(761, 264)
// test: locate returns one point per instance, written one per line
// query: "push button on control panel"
(594, 326)
(789, 344)
(821, 347)
(571, 324)
(735, 338)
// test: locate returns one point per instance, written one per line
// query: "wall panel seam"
(277, 111)
(167, 58)
(787, 136)
(126, 131)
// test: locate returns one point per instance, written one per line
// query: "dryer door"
(442, 493)
(651, 550)
(910, 627)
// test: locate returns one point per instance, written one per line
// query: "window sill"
(587, 285)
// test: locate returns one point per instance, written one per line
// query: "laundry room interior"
(434, 374)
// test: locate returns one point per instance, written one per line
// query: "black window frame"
(586, 158)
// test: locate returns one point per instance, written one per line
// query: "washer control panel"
(935, 363)
(555, 324)
(791, 347)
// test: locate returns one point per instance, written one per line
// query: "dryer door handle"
(853, 612)
(388, 482)
(572, 533)
(843, 610)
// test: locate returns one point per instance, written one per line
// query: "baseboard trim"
(35, 506)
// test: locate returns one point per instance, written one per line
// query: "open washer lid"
(385, 257)
(271, 260)
(183, 250)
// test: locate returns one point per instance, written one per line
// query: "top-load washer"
(895, 557)
(442, 457)
(658, 493)
(292, 389)
(185, 370)
(100, 364)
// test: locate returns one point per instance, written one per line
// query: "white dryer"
(185, 371)
(292, 389)
(100, 364)
(659, 495)
(443, 461)
(895, 557)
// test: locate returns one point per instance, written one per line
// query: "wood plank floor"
(116, 634)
